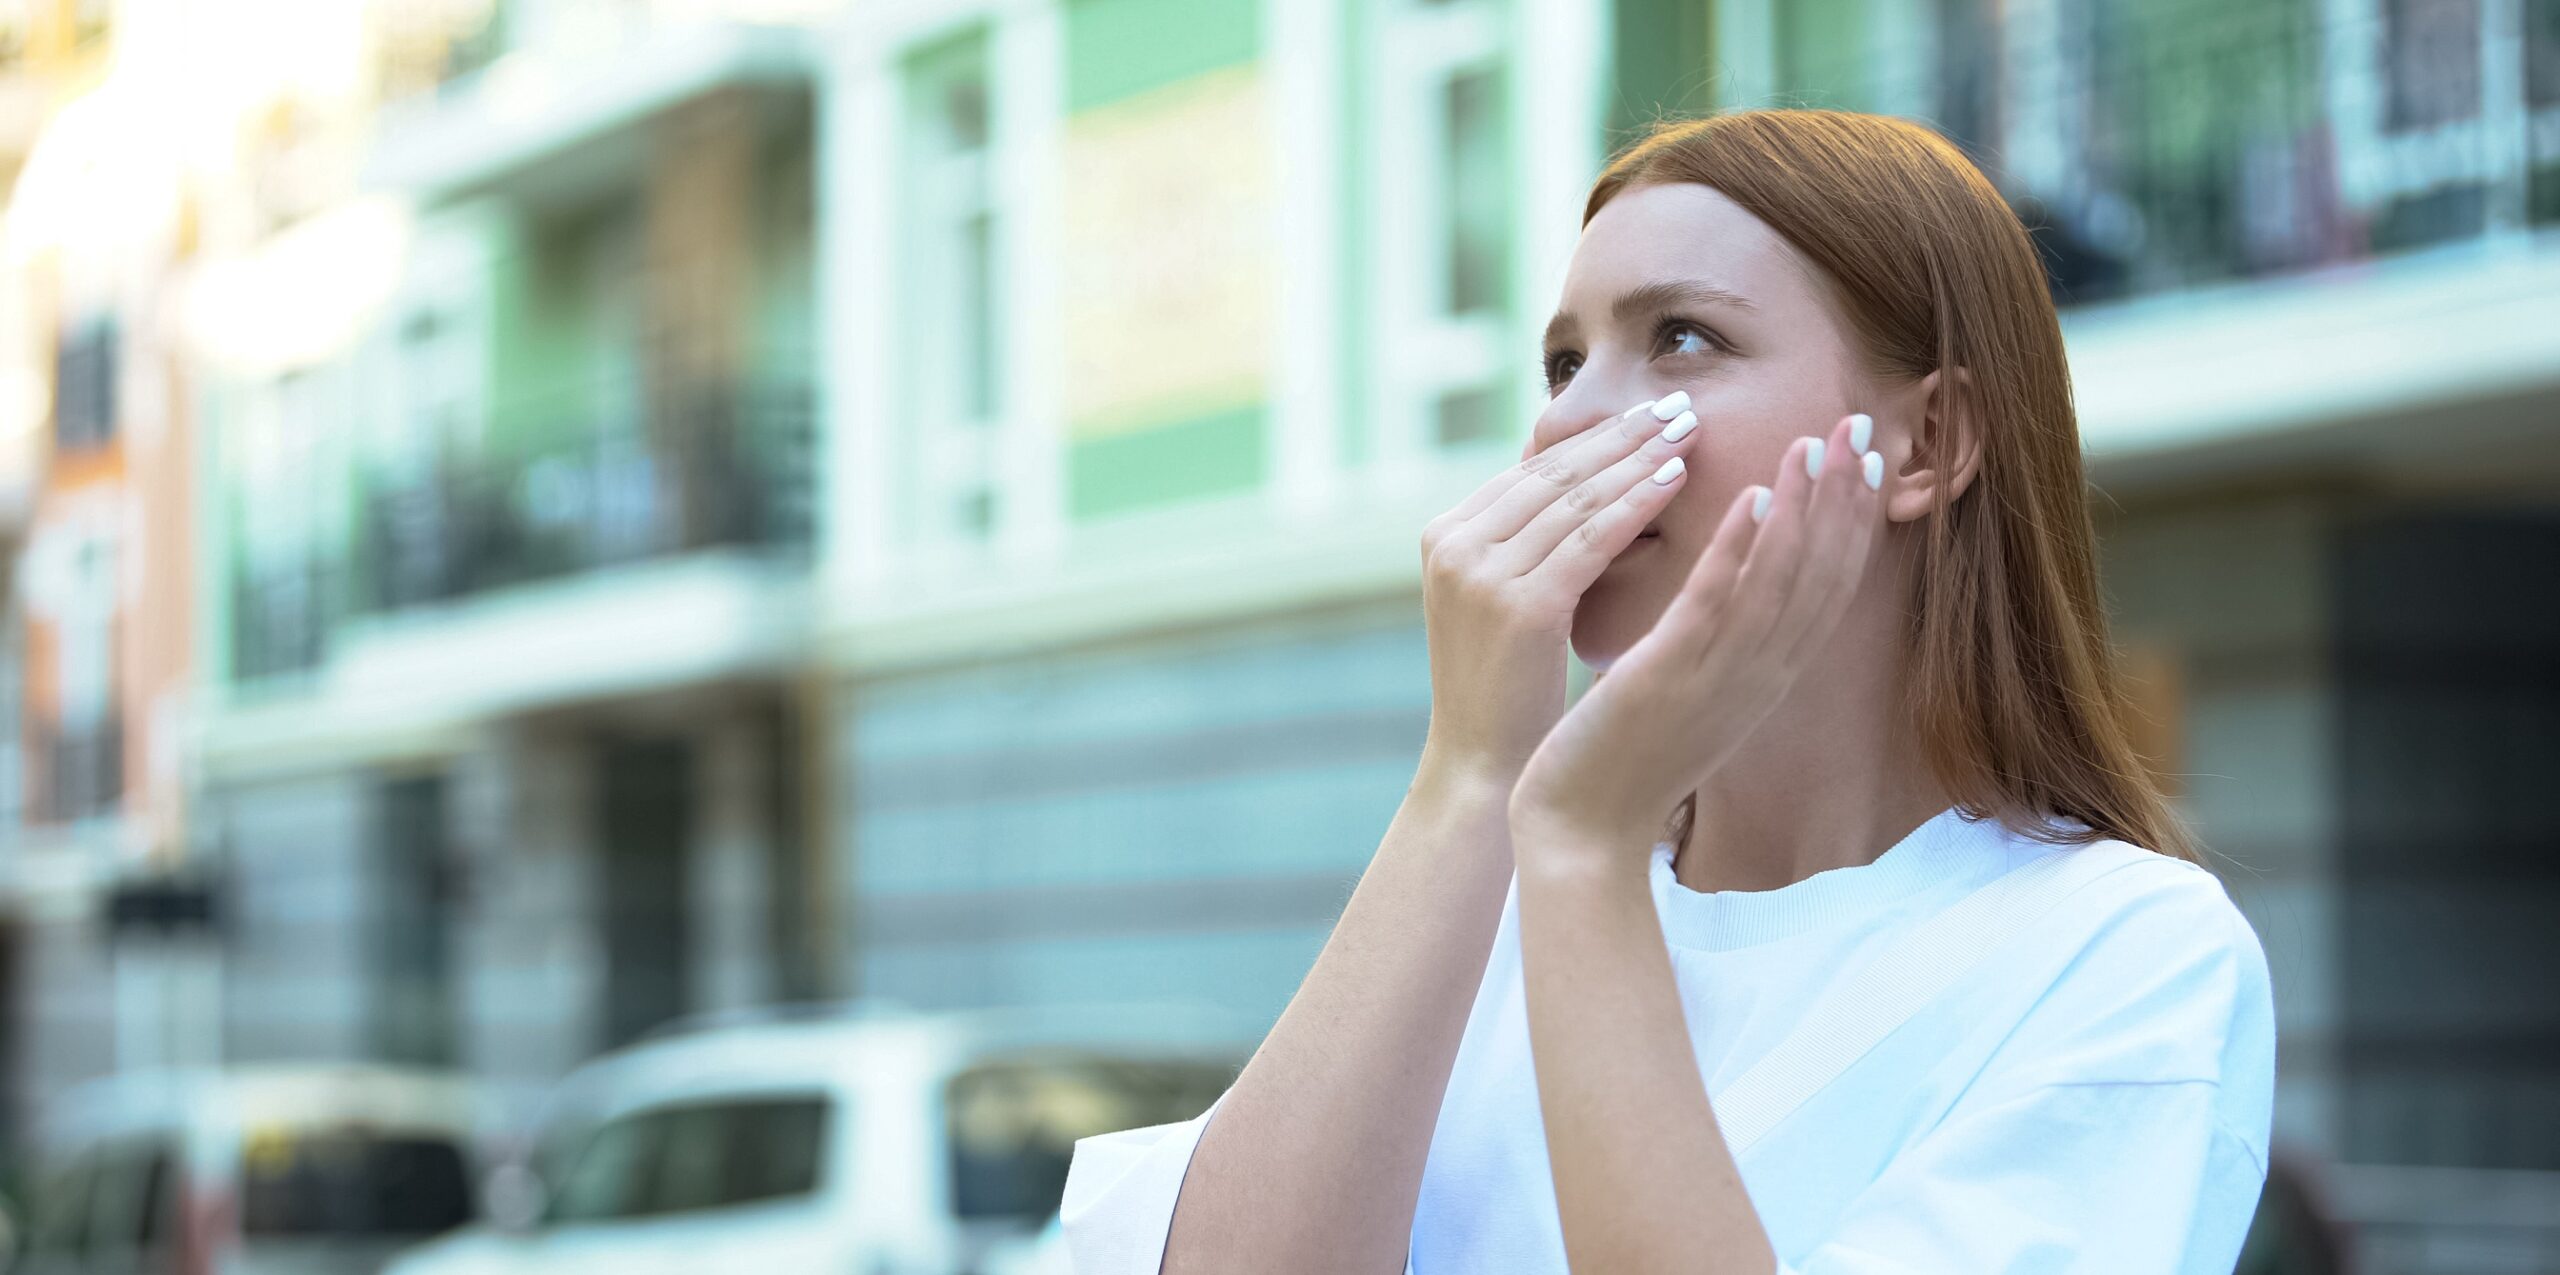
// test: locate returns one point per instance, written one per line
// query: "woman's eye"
(1687, 340)
(1560, 369)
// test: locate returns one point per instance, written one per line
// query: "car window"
(1013, 1123)
(691, 1156)
(62, 1207)
(607, 1177)
(129, 1200)
(351, 1182)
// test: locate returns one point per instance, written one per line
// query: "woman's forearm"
(1644, 1181)
(1315, 1156)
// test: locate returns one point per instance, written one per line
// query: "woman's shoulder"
(2123, 885)
(2156, 975)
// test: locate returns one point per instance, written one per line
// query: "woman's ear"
(1944, 448)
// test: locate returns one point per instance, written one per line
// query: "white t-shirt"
(2095, 1096)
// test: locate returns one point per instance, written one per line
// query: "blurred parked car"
(861, 1141)
(258, 1171)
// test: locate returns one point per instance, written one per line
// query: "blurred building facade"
(696, 505)
(96, 490)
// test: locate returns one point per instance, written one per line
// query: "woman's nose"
(1577, 409)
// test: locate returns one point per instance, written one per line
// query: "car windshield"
(697, 1155)
(1014, 1122)
(351, 1181)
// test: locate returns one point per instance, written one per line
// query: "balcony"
(731, 471)
(434, 553)
(2161, 149)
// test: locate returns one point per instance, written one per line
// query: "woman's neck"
(1832, 778)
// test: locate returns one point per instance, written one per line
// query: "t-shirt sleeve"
(2121, 1127)
(1117, 1208)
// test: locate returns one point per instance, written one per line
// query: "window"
(413, 1004)
(953, 236)
(84, 406)
(132, 1199)
(62, 1208)
(2542, 53)
(1013, 1123)
(351, 1182)
(1445, 177)
(695, 1156)
(1479, 188)
(2432, 60)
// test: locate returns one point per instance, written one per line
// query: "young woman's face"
(1675, 287)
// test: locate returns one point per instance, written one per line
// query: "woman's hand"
(1503, 571)
(1753, 612)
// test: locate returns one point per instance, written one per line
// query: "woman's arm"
(1644, 1181)
(1315, 1155)
(1314, 1158)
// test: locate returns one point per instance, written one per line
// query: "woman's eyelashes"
(1672, 337)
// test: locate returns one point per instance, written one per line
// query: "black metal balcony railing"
(733, 471)
(279, 617)
(2169, 146)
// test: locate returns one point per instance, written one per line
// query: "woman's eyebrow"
(1651, 298)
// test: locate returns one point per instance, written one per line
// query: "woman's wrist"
(1464, 778)
(1553, 848)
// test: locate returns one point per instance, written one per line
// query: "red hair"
(2015, 692)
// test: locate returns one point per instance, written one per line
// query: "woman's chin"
(1611, 618)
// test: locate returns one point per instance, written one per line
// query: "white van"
(306, 1170)
(848, 1141)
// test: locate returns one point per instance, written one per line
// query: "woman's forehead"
(1680, 232)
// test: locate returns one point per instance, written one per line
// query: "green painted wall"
(1210, 455)
(544, 347)
(1664, 60)
(1825, 55)
(1117, 49)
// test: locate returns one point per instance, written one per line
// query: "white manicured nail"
(1873, 464)
(1813, 458)
(1759, 503)
(1671, 405)
(1670, 469)
(1862, 430)
(1680, 428)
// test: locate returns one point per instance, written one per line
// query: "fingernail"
(1862, 430)
(1680, 428)
(1759, 503)
(1873, 464)
(1670, 469)
(1813, 458)
(1671, 405)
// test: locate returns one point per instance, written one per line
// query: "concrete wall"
(1166, 819)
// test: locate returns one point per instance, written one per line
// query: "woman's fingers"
(1493, 488)
(1839, 527)
(1598, 508)
(1769, 574)
(1589, 543)
(1545, 478)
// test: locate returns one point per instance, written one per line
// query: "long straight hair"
(2015, 694)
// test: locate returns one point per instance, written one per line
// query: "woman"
(1836, 562)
